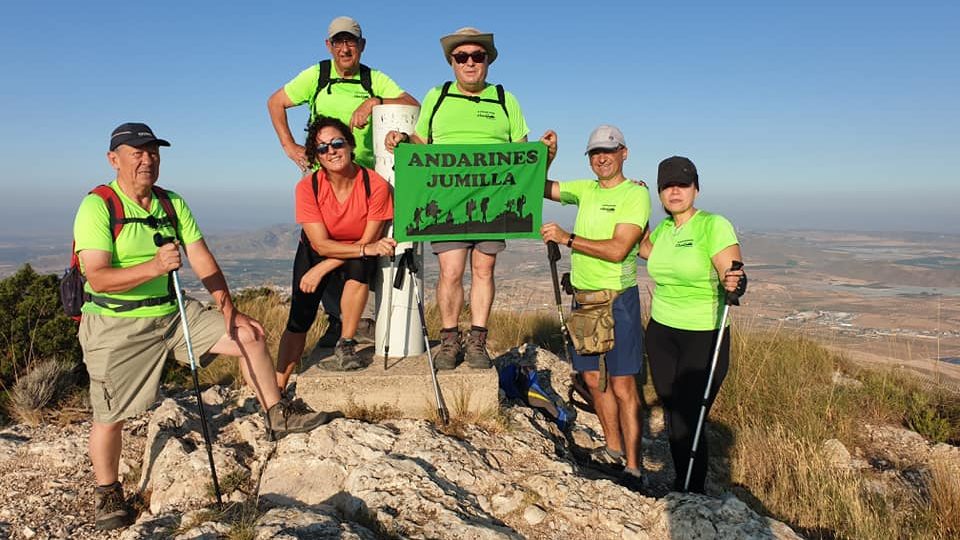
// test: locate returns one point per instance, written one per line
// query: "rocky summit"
(398, 478)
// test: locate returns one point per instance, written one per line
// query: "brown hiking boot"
(475, 350)
(111, 511)
(345, 355)
(287, 417)
(449, 354)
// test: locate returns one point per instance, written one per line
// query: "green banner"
(468, 191)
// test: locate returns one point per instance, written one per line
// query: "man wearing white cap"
(345, 89)
(467, 110)
(611, 217)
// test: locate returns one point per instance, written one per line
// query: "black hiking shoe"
(475, 350)
(448, 355)
(286, 417)
(632, 479)
(111, 511)
(332, 334)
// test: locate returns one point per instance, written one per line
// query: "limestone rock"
(836, 454)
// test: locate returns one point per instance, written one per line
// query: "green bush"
(33, 325)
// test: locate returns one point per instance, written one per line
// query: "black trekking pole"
(159, 241)
(408, 261)
(553, 253)
(729, 300)
(386, 343)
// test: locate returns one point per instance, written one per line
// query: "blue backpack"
(520, 382)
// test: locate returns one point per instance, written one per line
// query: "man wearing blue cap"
(130, 324)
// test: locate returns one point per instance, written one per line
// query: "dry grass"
(371, 413)
(44, 381)
(943, 484)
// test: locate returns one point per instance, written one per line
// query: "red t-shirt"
(344, 221)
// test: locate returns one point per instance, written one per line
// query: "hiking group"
(128, 237)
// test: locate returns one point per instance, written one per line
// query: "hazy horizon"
(833, 116)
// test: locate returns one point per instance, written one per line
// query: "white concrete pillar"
(406, 335)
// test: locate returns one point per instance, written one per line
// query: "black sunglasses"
(336, 144)
(478, 56)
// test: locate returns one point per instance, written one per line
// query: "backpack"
(324, 81)
(521, 382)
(72, 294)
(445, 92)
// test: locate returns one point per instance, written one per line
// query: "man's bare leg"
(291, 350)
(105, 446)
(605, 403)
(628, 404)
(482, 287)
(255, 363)
(450, 286)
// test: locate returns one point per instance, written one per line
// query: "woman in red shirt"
(342, 208)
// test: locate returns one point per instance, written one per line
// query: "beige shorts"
(125, 356)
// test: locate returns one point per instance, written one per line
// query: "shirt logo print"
(683, 243)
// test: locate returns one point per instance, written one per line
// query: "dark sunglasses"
(478, 56)
(336, 144)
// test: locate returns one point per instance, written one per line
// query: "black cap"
(134, 134)
(677, 170)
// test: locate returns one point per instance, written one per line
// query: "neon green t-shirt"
(599, 212)
(339, 100)
(91, 230)
(688, 292)
(465, 121)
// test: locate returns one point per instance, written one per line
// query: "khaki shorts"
(487, 247)
(125, 356)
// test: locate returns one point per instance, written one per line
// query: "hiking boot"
(345, 355)
(632, 479)
(449, 354)
(475, 350)
(111, 511)
(332, 334)
(604, 456)
(286, 417)
(366, 330)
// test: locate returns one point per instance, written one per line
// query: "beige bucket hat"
(468, 34)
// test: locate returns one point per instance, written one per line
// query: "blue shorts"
(626, 357)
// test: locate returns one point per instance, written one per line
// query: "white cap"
(605, 137)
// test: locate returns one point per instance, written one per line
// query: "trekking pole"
(728, 301)
(553, 253)
(159, 241)
(386, 343)
(408, 261)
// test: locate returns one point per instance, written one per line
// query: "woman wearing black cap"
(689, 257)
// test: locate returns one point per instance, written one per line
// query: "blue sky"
(831, 115)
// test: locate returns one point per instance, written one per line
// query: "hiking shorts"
(125, 356)
(626, 356)
(487, 247)
(304, 306)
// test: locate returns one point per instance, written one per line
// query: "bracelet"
(404, 137)
(570, 240)
(380, 99)
(362, 254)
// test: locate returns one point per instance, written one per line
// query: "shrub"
(32, 324)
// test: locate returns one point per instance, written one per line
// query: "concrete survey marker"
(405, 385)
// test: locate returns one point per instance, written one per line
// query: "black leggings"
(680, 365)
(303, 306)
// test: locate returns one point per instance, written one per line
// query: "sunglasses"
(478, 57)
(335, 144)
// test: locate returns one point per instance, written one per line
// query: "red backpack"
(72, 294)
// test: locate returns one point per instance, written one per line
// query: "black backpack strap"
(366, 182)
(366, 80)
(445, 91)
(316, 186)
(436, 106)
(502, 100)
(323, 80)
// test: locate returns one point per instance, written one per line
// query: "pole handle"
(732, 298)
(553, 251)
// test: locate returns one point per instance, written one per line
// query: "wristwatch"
(570, 240)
